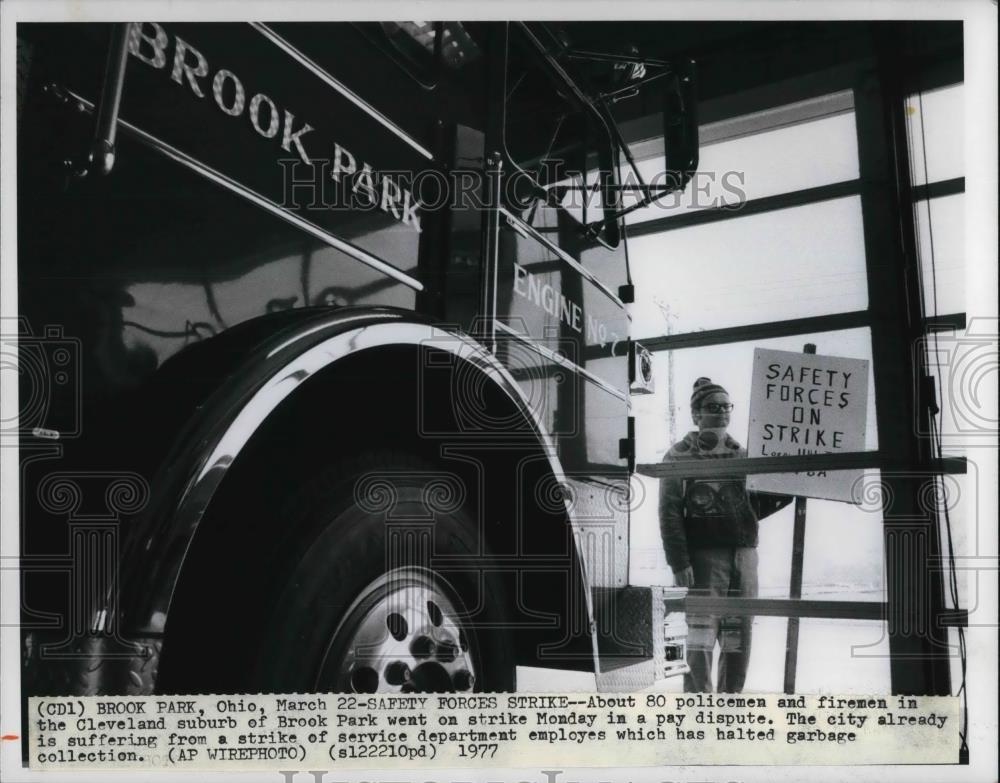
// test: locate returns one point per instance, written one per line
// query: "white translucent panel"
(941, 237)
(665, 416)
(800, 156)
(774, 548)
(834, 656)
(766, 673)
(936, 124)
(842, 656)
(844, 556)
(791, 263)
(534, 680)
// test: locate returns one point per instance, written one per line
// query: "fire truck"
(325, 360)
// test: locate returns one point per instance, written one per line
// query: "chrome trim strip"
(366, 107)
(230, 184)
(490, 243)
(519, 225)
(562, 361)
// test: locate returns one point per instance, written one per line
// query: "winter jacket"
(700, 513)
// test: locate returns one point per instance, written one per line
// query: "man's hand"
(684, 578)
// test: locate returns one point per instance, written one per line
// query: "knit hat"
(702, 388)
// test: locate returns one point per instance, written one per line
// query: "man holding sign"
(709, 531)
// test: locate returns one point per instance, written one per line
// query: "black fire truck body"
(325, 360)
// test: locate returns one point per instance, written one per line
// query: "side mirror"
(673, 87)
(680, 126)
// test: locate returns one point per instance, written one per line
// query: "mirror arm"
(632, 87)
(647, 191)
(593, 233)
(623, 145)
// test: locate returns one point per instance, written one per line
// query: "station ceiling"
(734, 57)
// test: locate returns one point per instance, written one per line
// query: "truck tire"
(387, 589)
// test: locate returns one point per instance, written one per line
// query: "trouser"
(721, 572)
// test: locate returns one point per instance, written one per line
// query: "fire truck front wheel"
(388, 590)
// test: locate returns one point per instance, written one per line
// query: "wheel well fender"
(396, 382)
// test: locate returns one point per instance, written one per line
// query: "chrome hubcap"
(402, 635)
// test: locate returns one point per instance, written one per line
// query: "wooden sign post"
(795, 588)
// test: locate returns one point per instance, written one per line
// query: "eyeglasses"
(717, 407)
